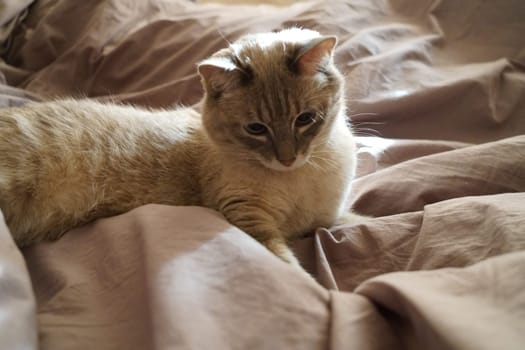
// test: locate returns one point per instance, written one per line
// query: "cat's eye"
(305, 118)
(256, 128)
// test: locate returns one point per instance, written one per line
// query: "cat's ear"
(219, 74)
(315, 54)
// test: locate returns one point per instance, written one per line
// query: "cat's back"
(89, 159)
(71, 118)
(70, 135)
(69, 127)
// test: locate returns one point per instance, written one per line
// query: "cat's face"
(272, 97)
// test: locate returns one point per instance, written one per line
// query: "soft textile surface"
(436, 91)
(17, 303)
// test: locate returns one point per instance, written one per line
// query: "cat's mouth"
(285, 165)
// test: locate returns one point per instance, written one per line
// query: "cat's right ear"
(315, 54)
(219, 74)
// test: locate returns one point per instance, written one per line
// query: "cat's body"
(67, 162)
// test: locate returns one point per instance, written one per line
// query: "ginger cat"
(271, 151)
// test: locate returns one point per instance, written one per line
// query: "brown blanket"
(436, 92)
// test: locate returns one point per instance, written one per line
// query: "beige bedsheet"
(436, 91)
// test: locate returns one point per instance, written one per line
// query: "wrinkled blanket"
(436, 95)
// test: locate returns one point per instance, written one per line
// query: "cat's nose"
(287, 162)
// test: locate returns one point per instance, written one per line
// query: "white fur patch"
(276, 165)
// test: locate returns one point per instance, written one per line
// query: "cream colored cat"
(272, 151)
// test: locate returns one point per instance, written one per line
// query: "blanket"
(436, 97)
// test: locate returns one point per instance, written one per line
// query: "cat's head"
(272, 97)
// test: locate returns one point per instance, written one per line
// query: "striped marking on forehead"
(276, 101)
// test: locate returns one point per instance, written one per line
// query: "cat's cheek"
(301, 160)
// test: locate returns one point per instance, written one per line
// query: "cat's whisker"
(366, 132)
(317, 156)
(325, 159)
(367, 135)
(361, 122)
(315, 164)
(321, 152)
(224, 37)
(363, 114)
(325, 168)
(311, 161)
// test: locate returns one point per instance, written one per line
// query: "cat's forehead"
(286, 36)
(294, 60)
(263, 49)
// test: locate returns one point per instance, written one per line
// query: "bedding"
(436, 95)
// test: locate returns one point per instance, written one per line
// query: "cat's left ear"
(219, 74)
(315, 54)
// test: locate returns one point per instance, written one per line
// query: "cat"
(272, 149)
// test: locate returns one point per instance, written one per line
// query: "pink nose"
(287, 162)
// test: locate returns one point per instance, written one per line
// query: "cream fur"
(130, 157)
(67, 162)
